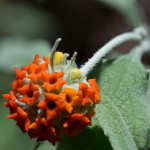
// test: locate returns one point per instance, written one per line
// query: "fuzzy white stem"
(138, 34)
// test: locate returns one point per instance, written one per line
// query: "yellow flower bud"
(58, 57)
(75, 73)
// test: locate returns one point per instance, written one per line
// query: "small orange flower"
(16, 84)
(42, 128)
(35, 70)
(70, 97)
(52, 105)
(52, 81)
(76, 123)
(11, 102)
(36, 60)
(44, 131)
(21, 117)
(94, 86)
(29, 92)
(19, 74)
(86, 94)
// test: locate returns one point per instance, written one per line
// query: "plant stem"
(37, 146)
(53, 53)
(139, 34)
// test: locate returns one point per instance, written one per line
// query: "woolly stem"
(53, 53)
(138, 34)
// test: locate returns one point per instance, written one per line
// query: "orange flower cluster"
(44, 108)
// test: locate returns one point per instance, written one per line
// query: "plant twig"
(139, 34)
(53, 52)
(37, 146)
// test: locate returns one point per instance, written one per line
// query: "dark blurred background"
(32, 26)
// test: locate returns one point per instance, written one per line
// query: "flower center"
(51, 105)
(30, 94)
(53, 81)
(43, 127)
(68, 98)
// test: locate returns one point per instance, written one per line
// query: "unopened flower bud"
(75, 73)
(58, 58)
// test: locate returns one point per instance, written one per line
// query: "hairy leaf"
(123, 112)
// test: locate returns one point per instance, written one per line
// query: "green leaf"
(148, 93)
(128, 8)
(123, 112)
(28, 20)
(92, 138)
(17, 52)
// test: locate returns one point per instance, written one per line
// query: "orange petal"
(51, 97)
(45, 59)
(62, 95)
(51, 114)
(43, 121)
(13, 104)
(34, 98)
(70, 92)
(36, 59)
(13, 116)
(25, 99)
(60, 105)
(85, 100)
(21, 112)
(68, 107)
(19, 74)
(27, 68)
(60, 74)
(48, 87)
(94, 85)
(83, 86)
(32, 76)
(59, 83)
(34, 126)
(44, 66)
(24, 89)
(97, 97)
(27, 124)
(32, 86)
(12, 96)
(42, 104)
(7, 104)
(75, 101)
(45, 76)
(6, 96)
(16, 84)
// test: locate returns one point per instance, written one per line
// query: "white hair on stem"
(138, 34)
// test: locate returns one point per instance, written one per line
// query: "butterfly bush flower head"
(51, 97)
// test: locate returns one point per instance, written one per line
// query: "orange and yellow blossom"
(49, 99)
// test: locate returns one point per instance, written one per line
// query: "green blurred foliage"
(19, 51)
(22, 19)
